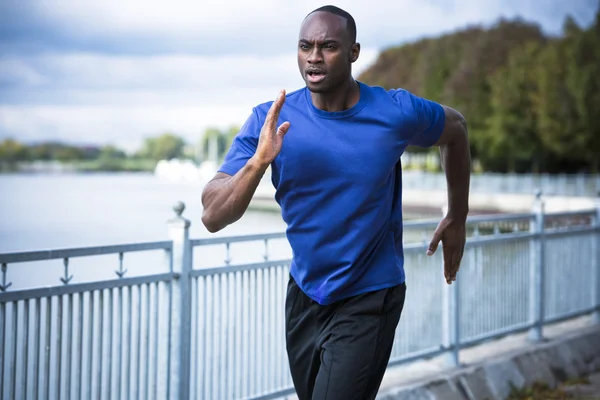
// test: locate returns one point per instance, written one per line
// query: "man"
(334, 148)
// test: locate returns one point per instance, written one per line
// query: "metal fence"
(550, 184)
(209, 324)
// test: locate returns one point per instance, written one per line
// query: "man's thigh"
(356, 345)
(302, 331)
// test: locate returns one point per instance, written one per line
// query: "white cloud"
(105, 71)
(16, 71)
(104, 98)
(174, 17)
(102, 95)
(88, 71)
(271, 26)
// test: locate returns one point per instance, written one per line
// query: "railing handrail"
(43, 255)
(478, 219)
(55, 254)
(237, 238)
(71, 288)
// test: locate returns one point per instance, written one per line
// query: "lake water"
(43, 212)
(39, 212)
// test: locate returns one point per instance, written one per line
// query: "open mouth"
(315, 76)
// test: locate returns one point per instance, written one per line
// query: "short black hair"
(350, 23)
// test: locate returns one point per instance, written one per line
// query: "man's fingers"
(451, 263)
(435, 241)
(273, 113)
(283, 128)
(455, 264)
(448, 260)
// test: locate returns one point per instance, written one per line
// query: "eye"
(304, 46)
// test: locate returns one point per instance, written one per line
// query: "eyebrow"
(326, 41)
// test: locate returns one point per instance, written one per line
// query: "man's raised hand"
(271, 136)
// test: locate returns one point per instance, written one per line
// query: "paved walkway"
(422, 374)
(419, 370)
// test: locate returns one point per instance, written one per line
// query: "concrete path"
(570, 350)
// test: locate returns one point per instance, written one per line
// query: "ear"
(354, 52)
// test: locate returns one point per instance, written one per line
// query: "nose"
(315, 56)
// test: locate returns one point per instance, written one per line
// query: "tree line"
(107, 157)
(532, 101)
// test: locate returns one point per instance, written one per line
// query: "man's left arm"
(442, 126)
(455, 157)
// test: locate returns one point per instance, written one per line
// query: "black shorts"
(341, 351)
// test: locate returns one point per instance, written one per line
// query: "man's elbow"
(461, 123)
(208, 218)
(455, 130)
(456, 121)
(210, 223)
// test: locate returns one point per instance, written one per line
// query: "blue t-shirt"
(338, 182)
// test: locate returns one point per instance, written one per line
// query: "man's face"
(325, 52)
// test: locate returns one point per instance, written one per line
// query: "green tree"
(110, 152)
(12, 151)
(221, 138)
(230, 134)
(557, 114)
(42, 152)
(164, 147)
(213, 137)
(67, 153)
(510, 142)
(582, 73)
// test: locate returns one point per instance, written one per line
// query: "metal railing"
(587, 185)
(210, 324)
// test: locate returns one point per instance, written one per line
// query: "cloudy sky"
(116, 71)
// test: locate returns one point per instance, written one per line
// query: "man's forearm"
(456, 161)
(226, 199)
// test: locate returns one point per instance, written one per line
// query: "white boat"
(179, 170)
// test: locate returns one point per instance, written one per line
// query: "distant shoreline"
(58, 167)
(423, 202)
(424, 194)
(78, 172)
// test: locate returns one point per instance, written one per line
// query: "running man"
(334, 149)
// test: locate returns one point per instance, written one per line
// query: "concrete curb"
(551, 362)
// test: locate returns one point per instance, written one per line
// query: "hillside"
(506, 80)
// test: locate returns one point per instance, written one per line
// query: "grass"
(542, 391)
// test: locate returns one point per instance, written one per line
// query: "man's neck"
(343, 98)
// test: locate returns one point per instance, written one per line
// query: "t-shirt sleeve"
(430, 119)
(243, 145)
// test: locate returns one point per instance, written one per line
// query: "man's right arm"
(226, 198)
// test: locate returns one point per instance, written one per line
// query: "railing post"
(451, 317)
(596, 263)
(180, 306)
(536, 271)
